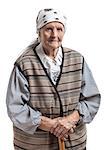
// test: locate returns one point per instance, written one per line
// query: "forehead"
(54, 24)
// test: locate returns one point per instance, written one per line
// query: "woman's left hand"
(65, 125)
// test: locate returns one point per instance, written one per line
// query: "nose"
(54, 32)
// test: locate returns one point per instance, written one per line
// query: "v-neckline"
(61, 67)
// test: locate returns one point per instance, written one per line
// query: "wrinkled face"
(51, 35)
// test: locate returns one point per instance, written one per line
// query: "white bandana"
(49, 15)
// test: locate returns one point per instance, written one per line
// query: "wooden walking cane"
(61, 144)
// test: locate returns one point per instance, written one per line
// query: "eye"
(59, 29)
(48, 29)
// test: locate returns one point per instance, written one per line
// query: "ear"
(39, 37)
(39, 33)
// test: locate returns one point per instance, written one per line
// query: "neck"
(51, 53)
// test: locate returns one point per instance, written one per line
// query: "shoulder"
(28, 53)
(25, 55)
(71, 52)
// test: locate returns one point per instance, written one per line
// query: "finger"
(53, 127)
(74, 126)
(63, 133)
(71, 130)
(63, 136)
(57, 131)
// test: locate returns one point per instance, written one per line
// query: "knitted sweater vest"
(52, 101)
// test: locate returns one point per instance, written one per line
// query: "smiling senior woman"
(51, 92)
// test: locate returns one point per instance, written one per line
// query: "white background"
(85, 33)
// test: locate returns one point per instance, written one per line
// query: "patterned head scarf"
(49, 15)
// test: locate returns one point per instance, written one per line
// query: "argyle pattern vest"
(52, 101)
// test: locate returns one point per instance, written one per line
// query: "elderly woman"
(51, 93)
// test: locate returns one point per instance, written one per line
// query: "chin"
(55, 46)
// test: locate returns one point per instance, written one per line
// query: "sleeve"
(89, 97)
(21, 114)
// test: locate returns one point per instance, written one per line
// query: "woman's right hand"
(47, 123)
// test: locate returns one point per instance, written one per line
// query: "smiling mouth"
(53, 41)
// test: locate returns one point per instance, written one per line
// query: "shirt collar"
(44, 57)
